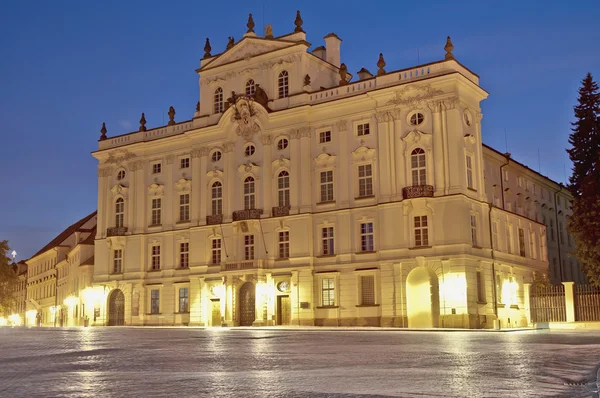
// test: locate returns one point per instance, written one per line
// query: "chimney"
(332, 52)
(364, 74)
(319, 52)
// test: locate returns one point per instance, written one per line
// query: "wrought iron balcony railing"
(279, 211)
(116, 231)
(247, 214)
(417, 191)
(214, 219)
(241, 265)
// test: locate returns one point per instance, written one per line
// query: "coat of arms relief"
(244, 116)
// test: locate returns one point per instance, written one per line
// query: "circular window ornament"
(250, 149)
(467, 117)
(121, 175)
(416, 119)
(282, 144)
(283, 286)
(216, 156)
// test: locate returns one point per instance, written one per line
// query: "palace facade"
(300, 195)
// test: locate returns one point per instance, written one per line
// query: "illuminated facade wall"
(361, 203)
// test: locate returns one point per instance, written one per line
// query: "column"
(270, 290)
(229, 302)
(343, 173)
(196, 301)
(569, 301)
(141, 204)
(445, 149)
(202, 199)
(526, 296)
(229, 190)
(102, 210)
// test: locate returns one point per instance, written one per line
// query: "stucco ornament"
(414, 96)
(119, 156)
(245, 118)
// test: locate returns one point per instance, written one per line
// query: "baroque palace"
(299, 195)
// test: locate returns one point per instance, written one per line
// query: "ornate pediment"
(417, 137)
(119, 189)
(245, 49)
(414, 96)
(156, 189)
(363, 153)
(325, 160)
(281, 162)
(215, 173)
(183, 185)
(249, 167)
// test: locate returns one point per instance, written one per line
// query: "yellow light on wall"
(15, 320)
(30, 316)
(3, 321)
(71, 301)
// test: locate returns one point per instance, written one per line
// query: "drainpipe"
(493, 261)
(560, 267)
(507, 155)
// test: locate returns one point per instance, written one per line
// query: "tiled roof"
(65, 234)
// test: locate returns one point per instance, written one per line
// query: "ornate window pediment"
(279, 163)
(416, 137)
(469, 140)
(156, 189)
(215, 173)
(249, 167)
(325, 160)
(119, 189)
(115, 242)
(363, 153)
(183, 185)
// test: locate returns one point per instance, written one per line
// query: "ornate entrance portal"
(247, 304)
(116, 308)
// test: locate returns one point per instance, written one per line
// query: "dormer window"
(283, 84)
(219, 100)
(250, 88)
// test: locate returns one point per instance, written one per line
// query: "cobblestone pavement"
(190, 362)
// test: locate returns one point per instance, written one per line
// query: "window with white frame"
(284, 244)
(509, 239)
(495, 234)
(474, 229)
(283, 189)
(155, 257)
(324, 136)
(469, 160)
(155, 301)
(520, 181)
(217, 198)
(249, 193)
(250, 88)
(366, 237)
(119, 212)
(156, 168)
(117, 261)
(184, 207)
(327, 186)
(363, 129)
(521, 242)
(421, 231)
(218, 100)
(365, 180)
(216, 251)
(327, 242)
(283, 84)
(184, 254)
(184, 163)
(184, 299)
(328, 292)
(505, 172)
(248, 247)
(418, 167)
(156, 211)
(367, 290)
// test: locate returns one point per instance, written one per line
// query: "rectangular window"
(156, 211)
(284, 244)
(532, 245)
(505, 172)
(366, 237)
(520, 181)
(184, 163)
(155, 257)
(184, 300)
(421, 231)
(363, 129)
(365, 180)
(367, 290)
(327, 186)
(248, 247)
(509, 239)
(327, 241)
(552, 230)
(155, 301)
(495, 234)
(474, 230)
(561, 236)
(216, 251)
(118, 261)
(327, 292)
(469, 171)
(527, 184)
(324, 136)
(156, 168)
(184, 254)
(184, 207)
(543, 253)
(480, 284)
(521, 242)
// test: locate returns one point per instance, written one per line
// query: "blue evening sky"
(67, 66)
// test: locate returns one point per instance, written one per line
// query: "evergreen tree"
(8, 280)
(584, 224)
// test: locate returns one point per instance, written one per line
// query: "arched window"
(119, 212)
(217, 198)
(417, 165)
(283, 188)
(250, 87)
(249, 193)
(283, 84)
(219, 100)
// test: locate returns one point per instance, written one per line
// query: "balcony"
(280, 211)
(215, 219)
(116, 231)
(241, 265)
(417, 191)
(247, 214)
